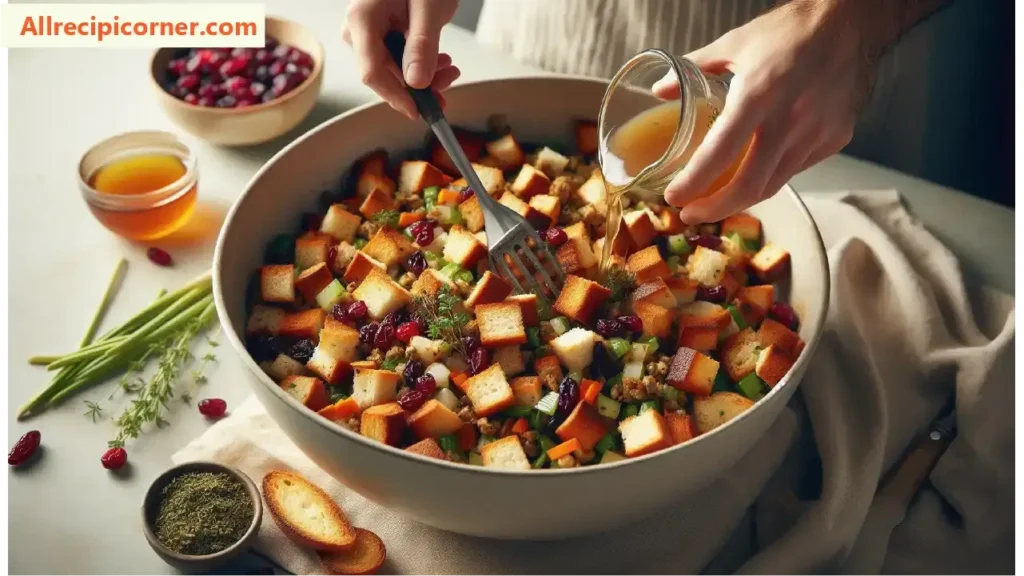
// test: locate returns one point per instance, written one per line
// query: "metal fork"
(508, 233)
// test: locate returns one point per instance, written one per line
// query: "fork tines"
(516, 258)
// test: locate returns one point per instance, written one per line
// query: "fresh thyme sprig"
(444, 316)
(94, 412)
(620, 282)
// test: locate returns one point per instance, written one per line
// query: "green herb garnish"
(387, 218)
(621, 282)
(390, 363)
(203, 513)
(444, 316)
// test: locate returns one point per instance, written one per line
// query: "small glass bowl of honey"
(140, 185)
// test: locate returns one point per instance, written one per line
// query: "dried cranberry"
(339, 312)
(368, 333)
(385, 337)
(114, 458)
(602, 364)
(412, 371)
(470, 343)
(393, 319)
(609, 328)
(416, 263)
(212, 407)
(708, 241)
(177, 67)
(425, 237)
(265, 347)
(479, 359)
(207, 102)
(465, 194)
(302, 350)
(406, 331)
(555, 236)
(632, 323)
(357, 310)
(234, 66)
(412, 400)
(418, 227)
(24, 448)
(188, 82)
(332, 255)
(426, 384)
(712, 294)
(568, 395)
(158, 256)
(785, 314)
(238, 86)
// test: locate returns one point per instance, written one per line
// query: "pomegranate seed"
(24, 448)
(785, 314)
(357, 310)
(385, 337)
(114, 458)
(713, 294)
(708, 241)
(555, 236)
(158, 256)
(212, 407)
(426, 384)
(479, 359)
(188, 82)
(412, 400)
(406, 331)
(632, 323)
(609, 328)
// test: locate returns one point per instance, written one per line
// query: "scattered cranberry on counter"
(24, 448)
(158, 256)
(114, 458)
(406, 331)
(212, 407)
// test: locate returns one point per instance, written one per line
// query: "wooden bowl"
(208, 562)
(252, 124)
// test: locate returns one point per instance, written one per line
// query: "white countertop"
(68, 514)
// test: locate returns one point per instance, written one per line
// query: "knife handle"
(903, 481)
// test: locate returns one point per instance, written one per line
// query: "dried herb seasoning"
(203, 513)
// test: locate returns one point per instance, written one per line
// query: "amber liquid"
(142, 174)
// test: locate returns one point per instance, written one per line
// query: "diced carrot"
(466, 436)
(447, 196)
(521, 426)
(459, 378)
(591, 388)
(340, 410)
(585, 424)
(565, 448)
(410, 218)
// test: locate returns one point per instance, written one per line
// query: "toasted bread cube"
(312, 280)
(647, 264)
(416, 175)
(303, 324)
(775, 333)
(528, 389)
(488, 391)
(367, 183)
(428, 447)
(718, 409)
(755, 302)
(744, 225)
(586, 137)
(668, 222)
(340, 224)
(571, 258)
(532, 216)
(434, 419)
(684, 289)
(491, 177)
(311, 251)
(706, 266)
(622, 242)
(381, 294)
(528, 305)
(548, 206)
(343, 255)
(549, 370)
(772, 365)
(506, 151)
(657, 320)
(680, 426)
(506, 454)
(580, 298)
(575, 348)
(644, 433)
(463, 248)
(339, 340)
(593, 193)
(739, 354)
(641, 227)
(488, 290)
(510, 358)
(389, 247)
(770, 262)
(530, 182)
(332, 370)
(284, 366)
(371, 387)
(737, 254)
(482, 237)
(577, 230)
(692, 372)
(384, 423)
(701, 314)
(501, 324)
(550, 162)
(472, 145)
(376, 201)
(264, 320)
(309, 391)
(583, 424)
(472, 214)
(654, 292)
(430, 282)
(375, 162)
(360, 266)
(731, 285)
(700, 339)
(277, 283)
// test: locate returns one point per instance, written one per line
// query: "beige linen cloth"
(902, 336)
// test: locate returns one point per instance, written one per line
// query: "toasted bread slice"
(366, 556)
(488, 290)
(389, 246)
(506, 453)
(776, 333)
(309, 391)
(772, 365)
(304, 324)
(692, 372)
(657, 319)
(647, 264)
(428, 447)
(580, 298)
(680, 426)
(312, 280)
(277, 283)
(739, 354)
(700, 339)
(360, 266)
(264, 320)
(311, 251)
(430, 282)
(384, 423)
(701, 314)
(332, 370)
(770, 262)
(306, 514)
(583, 424)
(416, 175)
(645, 433)
(528, 305)
(716, 410)
(707, 266)
(641, 227)
(381, 294)
(491, 177)
(488, 391)
(501, 324)
(434, 419)
(586, 137)
(463, 248)
(340, 224)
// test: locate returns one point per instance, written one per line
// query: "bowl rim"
(206, 466)
(338, 430)
(314, 74)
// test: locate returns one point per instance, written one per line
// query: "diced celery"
(533, 336)
(448, 443)
(633, 370)
(610, 441)
(447, 397)
(673, 263)
(450, 269)
(464, 275)
(736, 316)
(455, 217)
(518, 411)
(631, 410)
(540, 462)
(677, 244)
(652, 345)
(545, 443)
(608, 407)
(610, 457)
(475, 459)
(330, 294)
(637, 353)
(722, 382)
(650, 405)
(619, 346)
(548, 404)
(576, 375)
(431, 257)
(430, 193)
(359, 243)
(560, 325)
(751, 386)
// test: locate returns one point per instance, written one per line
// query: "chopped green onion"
(464, 275)
(359, 243)
(736, 316)
(631, 410)
(541, 461)
(548, 404)
(610, 441)
(608, 407)
(518, 411)
(330, 294)
(678, 245)
(449, 443)
(650, 405)
(450, 269)
(560, 325)
(751, 386)
(533, 337)
(619, 346)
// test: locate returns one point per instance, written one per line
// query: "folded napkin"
(903, 334)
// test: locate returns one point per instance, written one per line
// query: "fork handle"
(426, 103)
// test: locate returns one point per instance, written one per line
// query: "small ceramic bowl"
(208, 562)
(251, 124)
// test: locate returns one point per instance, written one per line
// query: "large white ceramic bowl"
(536, 505)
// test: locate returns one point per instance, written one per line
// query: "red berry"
(114, 458)
(188, 82)
(412, 400)
(158, 256)
(479, 359)
(632, 323)
(406, 331)
(24, 448)
(426, 384)
(300, 58)
(555, 236)
(609, 328)
(207, 102)
(425, 236)
(214, 91)
(357, 310)
(385, 337)
(234, 66)
(212, 407)
(709, 241)
(191, 98)
(276, 67)
(785, 314)
(712, 294)
(465, 194)
(264, 57)
(177, 66)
